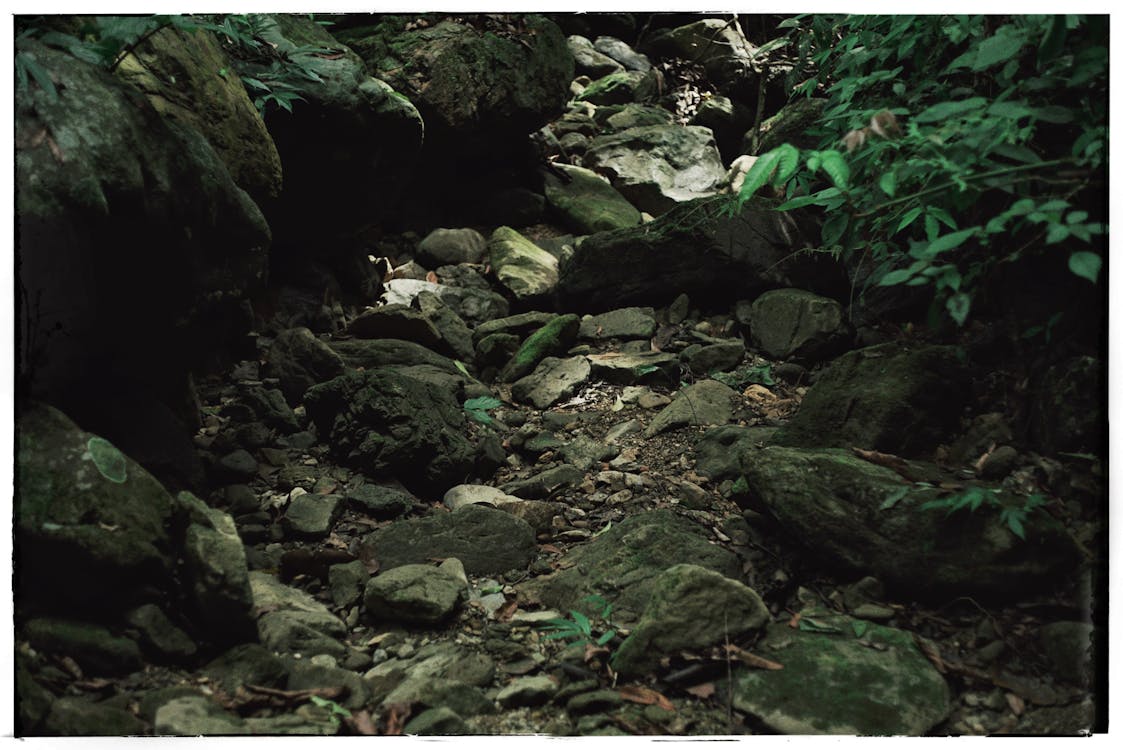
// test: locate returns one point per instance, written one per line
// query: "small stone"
(312, 515)
(239, 464)
(437, 721)
(874, 612)
(999, 463)
(597, 701)
(346, 582)
(527, 691)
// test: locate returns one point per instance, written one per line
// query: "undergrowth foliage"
(268, 73)
(950, 146)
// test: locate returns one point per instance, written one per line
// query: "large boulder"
(300, 360)
(525, 269)
(700, 250)
(385, 422)
(345, 147)
(855, 513)
(130, 229)
(90, 523)
(586, 203)
(887, 398)
(718, 45)
(176, 70)
(658, 166)
(797, 324)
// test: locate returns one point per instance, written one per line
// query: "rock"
(720, 47)
(700, 251)
(690, 608)
(270, 407)
(656, 167)
(623, 368)
(78, 717)
(545, 483)
(70, 486)
(586, 203)
(33, 701)
(625, 323)
(472, 304)
(1068, 409)
(834, 683)
(308, 719)
(312, 515)
(471, 494)
(706, 402)
(193, 716)
(789, 125)
(456, 335)
(300, 360)
(585, 453)
(175, 70)
(248, 664)
(985, 431)
(795, 324)
(999, 463)
(414, 594)
(622, 564)
(373, 353)
(397, 322)
(346, 582)
(351, 178)
(485, 540)
(720, 453)
(596, 701)
(238, 466)
(385, 422)
(617, 118)
(214, 571)
(527, 691)
(727, 120)
(832, 501)
(437, 721)
(886, 398)
(161, 639)
(552, 339)
(1070, 648)
(589, 61)
(552, 381)
(93, 647)
(451, 246)
(307, 676)
(379, 501)
(138, 181)
(714, 357)
(520, 265)
(294, 622)
(622, 53)
(620, 87)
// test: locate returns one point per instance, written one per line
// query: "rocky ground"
(610, 472)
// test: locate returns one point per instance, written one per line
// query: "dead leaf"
(108, 527)
(431, 277)
(932, 651)
(55, 150)
(322, 56)
(983, 458)
(794, 622)
(645, 696)
(549, 548)
(751, 660)
(97, 684)
(703, 691)
(1016, 704)
(507, 611)
(592, 652)
(360, 722)
(888, 460)
(396, 716)
(71, 667)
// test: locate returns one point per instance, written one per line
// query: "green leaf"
(483, 403)
(787, 163)
(944, 110)
(1055, 114)
(860, 627)
(1014, 523)
(893, 498)
(334, 707)
(1052, 42)
(1056, 233)
(899, 276)
(759, 174)
(833, 229)
(582, 621)
(822, 198)
(1076, 217)
(834, 164)
(950, 241)
(888, 183)
(958, 306)
(27, 64)
(463, 370)
(1006, 43)
(1012, 110)
(909, 217)
(606, 638)
(1085, 265)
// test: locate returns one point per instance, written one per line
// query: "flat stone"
(96, 650)
(346, 582)
(707, 402)
(794, 323)
(553, 380)
(311, 515)
(414, 593)
(527, 691)
(625, 323)
(379, 501)
(470, 494)
(451, 246)
(520, 265)
(621, 368)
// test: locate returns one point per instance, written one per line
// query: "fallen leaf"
(431, 277)
(97, 684)
(645, 696)
(361, 723)
(396, 716)
(322, 56)
(507, 611)
(794, 622)
(751, 660)
(55, 150)
(888, 460)
(1016, 704)
(549, 548)
(71, 667)
(983, 458)
(705, 690)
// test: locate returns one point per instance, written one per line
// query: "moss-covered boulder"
(699, 250)
(525, 269)
(91, 525)
(620, 87)
(387, 423)
(797, 324)
(622, 564)
(859, 678)
(658, 166)
(129, 229)
(178, 70)
(587, 203)
(900, 400)
(552, 339)
(867, 518)
(345, 148)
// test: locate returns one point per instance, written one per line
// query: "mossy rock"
(552, 339)
(587, 203)
(522, 267)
